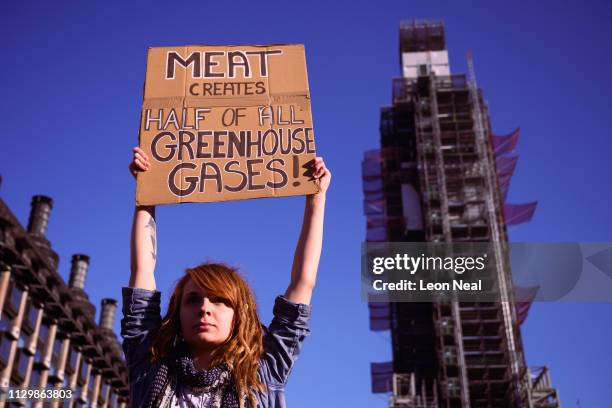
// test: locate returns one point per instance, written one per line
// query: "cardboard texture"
(225, 123)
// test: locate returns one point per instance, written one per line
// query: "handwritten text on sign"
(179, 139)
(226, 123)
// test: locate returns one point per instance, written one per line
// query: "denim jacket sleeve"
(283, 339)
(141, 316)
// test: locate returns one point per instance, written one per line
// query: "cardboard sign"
(225, 123)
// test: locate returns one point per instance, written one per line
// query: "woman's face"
(206, 321)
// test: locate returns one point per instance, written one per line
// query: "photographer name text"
(424, 286)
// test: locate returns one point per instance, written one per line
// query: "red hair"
(244, 346)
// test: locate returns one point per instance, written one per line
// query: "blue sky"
(71, 83)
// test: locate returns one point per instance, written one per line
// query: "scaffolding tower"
(441, 175)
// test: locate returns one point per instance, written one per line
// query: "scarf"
(178, 373)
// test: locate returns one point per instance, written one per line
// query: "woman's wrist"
(316, 199)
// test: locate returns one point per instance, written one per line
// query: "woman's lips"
(203, 326)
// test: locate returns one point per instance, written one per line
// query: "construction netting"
(382, 375)
(506, 143)
(505, 163)
(373, 201)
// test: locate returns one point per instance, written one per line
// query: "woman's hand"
(321, 174)
(140, 162)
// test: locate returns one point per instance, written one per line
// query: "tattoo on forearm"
(151, 224)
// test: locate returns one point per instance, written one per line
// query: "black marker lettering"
(218, 143)
(207, 89)
(284, 178)
(228, 169)
(265, 138)
(261, 89)
(184, 140)
(242, 62)
(309, 141)
(236, 143)
(263, 59)
(170, 147)
(174, 58)
(192, 180)
(295, 137)
(191, 89)
(204, 176)
(252, 173)
(200, 154)
(209, 64)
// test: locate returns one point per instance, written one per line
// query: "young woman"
(210, 350)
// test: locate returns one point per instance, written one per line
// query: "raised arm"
(143, 245)
(308, 250)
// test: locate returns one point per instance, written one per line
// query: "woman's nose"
(206, 306)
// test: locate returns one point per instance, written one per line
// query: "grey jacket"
(282, 342)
